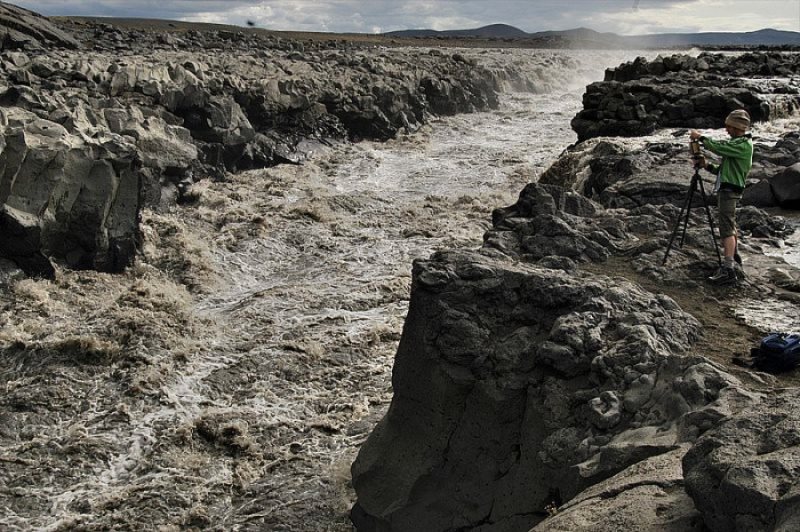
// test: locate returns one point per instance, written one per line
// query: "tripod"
(697, 183)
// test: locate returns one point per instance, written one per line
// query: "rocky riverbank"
(536, 385)
(143, 113)
(558, 376)
(682, 91)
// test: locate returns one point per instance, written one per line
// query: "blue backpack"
(777, 352)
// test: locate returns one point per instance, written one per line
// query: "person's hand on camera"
(694, 134)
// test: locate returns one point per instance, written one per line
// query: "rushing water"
(254, 423)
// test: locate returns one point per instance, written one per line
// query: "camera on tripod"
(683, 217)
(694, 149)
(697, 155)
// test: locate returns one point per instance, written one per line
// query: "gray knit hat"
(739, 119)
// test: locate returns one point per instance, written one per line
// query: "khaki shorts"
(726, 202)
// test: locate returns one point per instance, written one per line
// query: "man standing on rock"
(737, 159)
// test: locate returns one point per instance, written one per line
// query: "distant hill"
(502, 31)
(768, 37)
(589, 37)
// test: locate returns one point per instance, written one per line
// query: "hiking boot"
(723, 276)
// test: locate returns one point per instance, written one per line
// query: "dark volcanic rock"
(681, 91)
(514, 384)
(786, 187)
(648, 495)
(743, 474)
(83, 193)
(20, 241)
(520, 386)
(94, 136)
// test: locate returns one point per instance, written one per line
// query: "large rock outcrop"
(743, 474)
(25, 29)
(681, 91)
(523, 381)
(516, 386)
(79, 196)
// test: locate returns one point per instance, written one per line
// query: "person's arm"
(737, 150)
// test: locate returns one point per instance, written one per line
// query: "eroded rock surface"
(81, 192)
(522, 380)
(25, 29)
(90, 138)
(681, 91)
(743, 474)
(515, 384)
(649, 494)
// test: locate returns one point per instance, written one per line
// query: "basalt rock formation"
(526, 386)
(524, 382)
(681, 91)
(90, 138)
(743, 474)
(519, 386)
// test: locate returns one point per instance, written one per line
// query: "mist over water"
(249, 411)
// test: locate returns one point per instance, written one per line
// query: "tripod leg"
(676, 228)
(710, 222)
(689, 200)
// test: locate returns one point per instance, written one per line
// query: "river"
(262, 383)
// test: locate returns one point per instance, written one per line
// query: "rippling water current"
(251, 419)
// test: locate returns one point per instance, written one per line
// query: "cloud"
(366, 16)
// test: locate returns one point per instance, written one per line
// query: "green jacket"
(737, 159)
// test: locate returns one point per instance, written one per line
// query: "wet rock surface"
(682, 91)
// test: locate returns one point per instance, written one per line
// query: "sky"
(624, 17)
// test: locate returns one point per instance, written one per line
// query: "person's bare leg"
(729, 246)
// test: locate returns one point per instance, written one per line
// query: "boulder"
(758, 194)
(742, 474)
(166, 148)
(786, 187)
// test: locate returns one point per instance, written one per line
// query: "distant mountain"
(502, 31)
(761, 37)
(580, 37)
